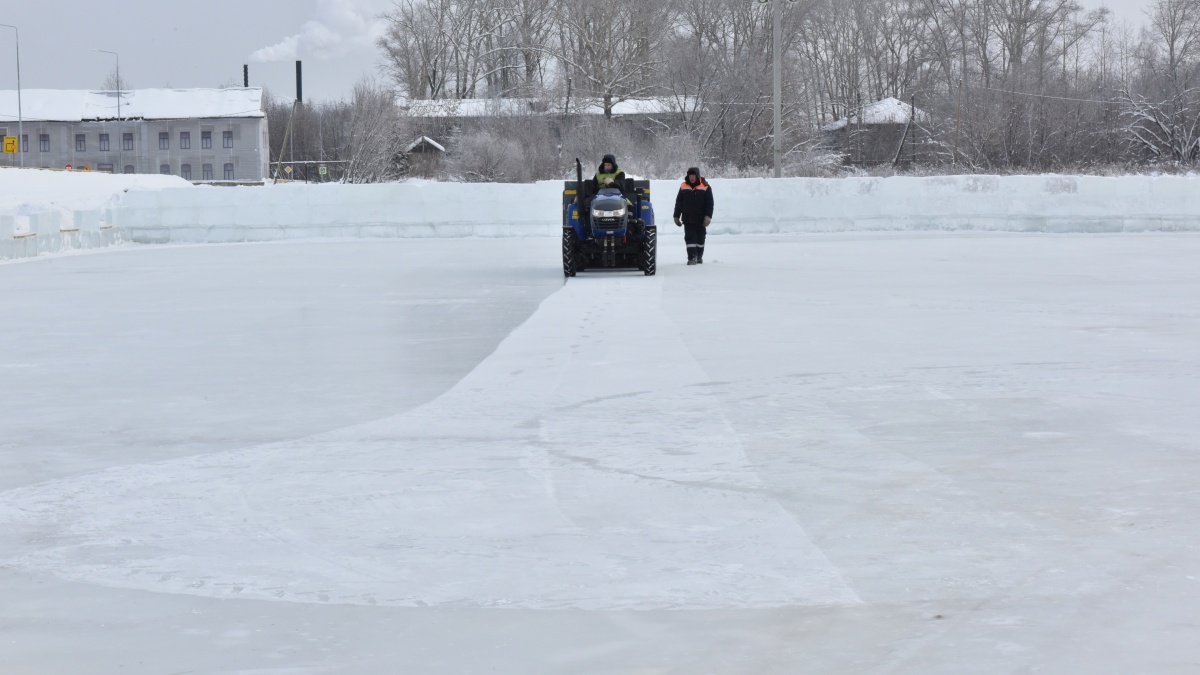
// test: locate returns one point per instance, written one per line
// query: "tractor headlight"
(619, 213)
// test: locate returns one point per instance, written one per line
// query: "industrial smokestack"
(299, 84)
(246, 75)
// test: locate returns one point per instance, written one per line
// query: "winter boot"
(691, 255)
(700, 255)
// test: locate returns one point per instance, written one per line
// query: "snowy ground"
(832, 453)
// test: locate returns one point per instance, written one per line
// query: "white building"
(199, 134)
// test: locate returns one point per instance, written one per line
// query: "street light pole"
(120, 126)
(20, 113)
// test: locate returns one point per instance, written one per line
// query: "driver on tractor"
(609, 175)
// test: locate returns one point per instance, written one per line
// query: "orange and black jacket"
(694, 202)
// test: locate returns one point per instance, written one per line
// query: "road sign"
(10, 145)
(87, 167)
(68, 167)
(322, 170)
(287, 169)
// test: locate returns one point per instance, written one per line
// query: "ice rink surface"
(906, 453)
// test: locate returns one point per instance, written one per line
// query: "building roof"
(425, 140)
(81, 105)
(887, 111)
(504, 107)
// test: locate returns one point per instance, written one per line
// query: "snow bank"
(999, 203)
(744, 206)
(161, 209)
(299, 211)
(51, 211)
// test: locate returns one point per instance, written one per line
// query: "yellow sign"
(287, 169)
(10, 145)
(322, 170)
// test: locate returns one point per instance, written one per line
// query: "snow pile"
(45, 211)
(27, 191)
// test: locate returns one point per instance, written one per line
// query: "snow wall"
(744, 206)
(191, 214)
(53, 211)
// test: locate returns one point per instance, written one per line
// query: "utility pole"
(777, 39)
(957, 121)
(777, 6)
(21, 145)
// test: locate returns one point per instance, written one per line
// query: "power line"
(1057, 98)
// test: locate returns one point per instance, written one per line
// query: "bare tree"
(116, 81)
(611, 47)
(373, 142)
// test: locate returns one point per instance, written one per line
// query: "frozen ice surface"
(901, 453)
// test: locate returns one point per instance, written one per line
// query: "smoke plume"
(338, 27)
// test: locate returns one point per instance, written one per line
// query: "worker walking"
(693, 212)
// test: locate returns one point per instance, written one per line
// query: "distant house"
(424, 145)
(200, 134)
(424, 156)
(438, 118)
(883, 132)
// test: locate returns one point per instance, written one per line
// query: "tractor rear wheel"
(650, 251)
(570, 250)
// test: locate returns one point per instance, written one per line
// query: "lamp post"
(120, 126)
(20, 113)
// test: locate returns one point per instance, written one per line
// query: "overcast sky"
(204, 44)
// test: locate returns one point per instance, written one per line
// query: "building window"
(129, 168)
(103, 142)
(227, 139)
(206, 140)
(127, 141)
(185, 140)
(164, 140)
(105, 168)
(206, 172)
(24, 142)
(80, 143)
(186, 171)
(43, 142)
(164, 169)
(228, 172)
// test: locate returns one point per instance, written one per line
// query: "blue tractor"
(608, 228)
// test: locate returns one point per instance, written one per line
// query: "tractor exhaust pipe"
(579, 188)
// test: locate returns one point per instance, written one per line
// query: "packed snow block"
(150, 235)
(14, 249)
(8, 227)
(88, 220)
